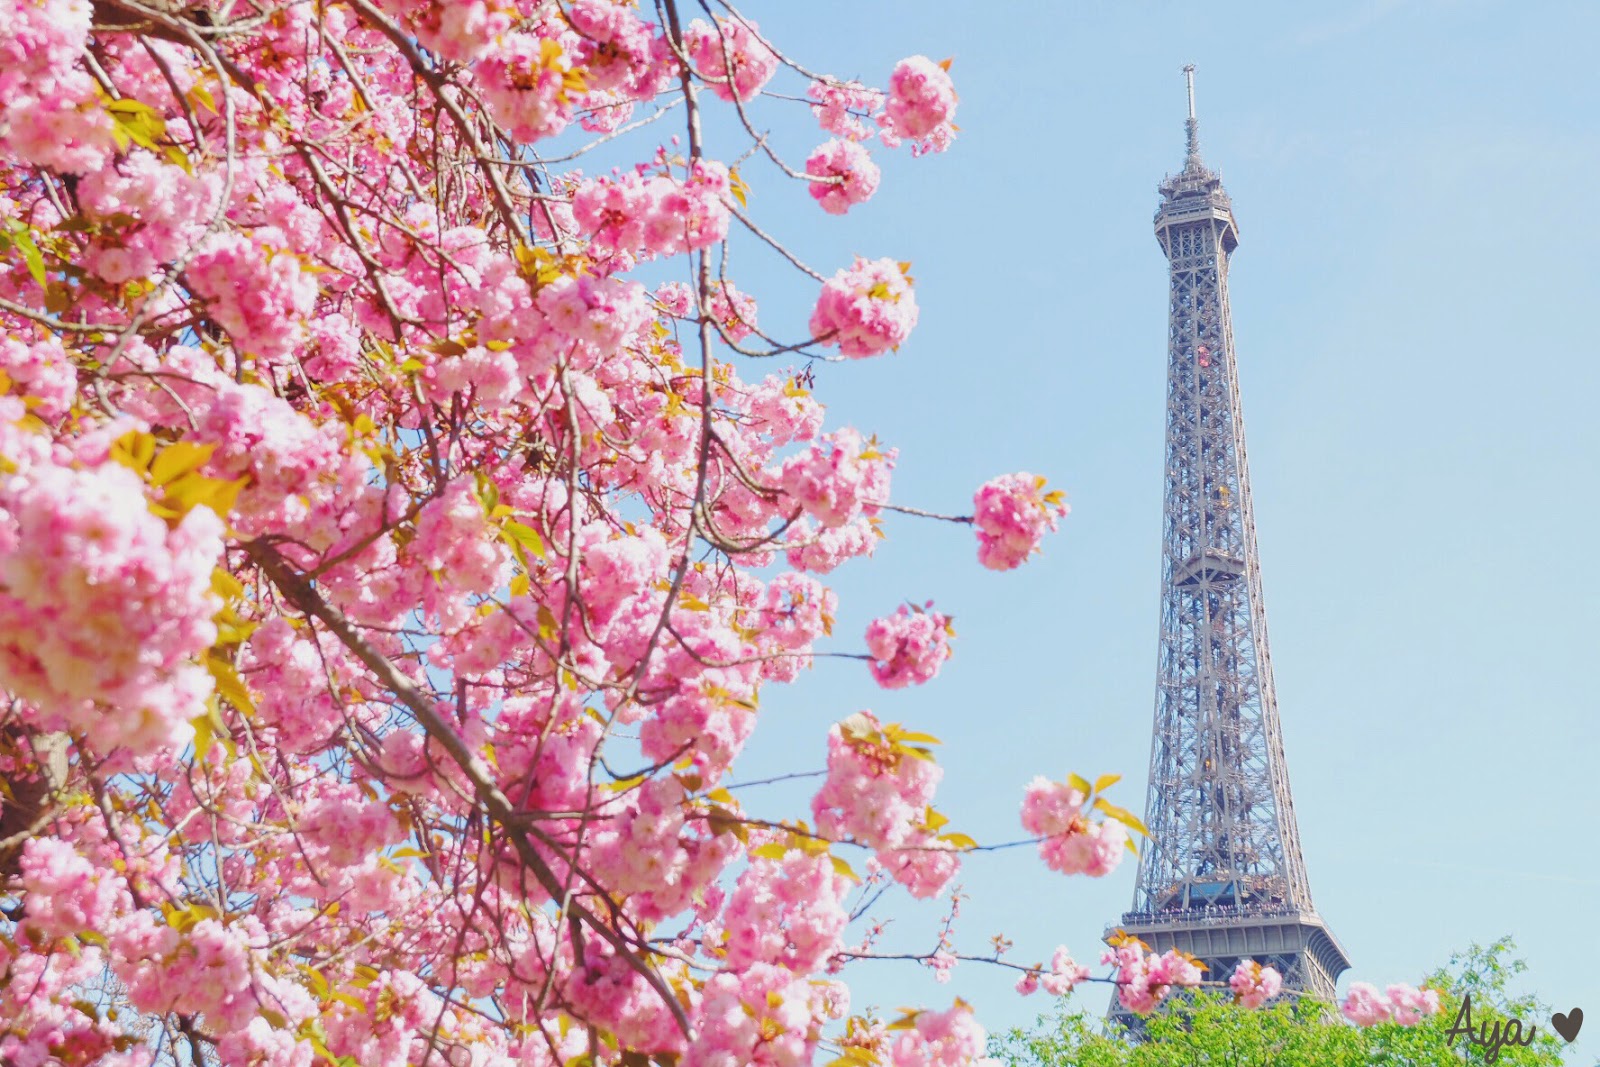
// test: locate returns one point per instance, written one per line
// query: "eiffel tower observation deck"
(1221, 877)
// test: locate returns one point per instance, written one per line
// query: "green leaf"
(200, 95)
(178, 459)
(1122, 815)
(1106, 781)
(907, 1021)
(1080, 783)
(229, 685)
(773, 850)
(351, 999)
(177, 156)
(522, 537)
(204, 734)
(138, 121)
(911, 737)
(319, 984)
(22, 235)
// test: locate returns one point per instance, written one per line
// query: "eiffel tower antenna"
(1192, 160)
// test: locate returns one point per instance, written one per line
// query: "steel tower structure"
(1221, 877)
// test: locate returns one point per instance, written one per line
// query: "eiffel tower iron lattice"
(1222, 876)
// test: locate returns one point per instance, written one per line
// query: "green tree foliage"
(1209, 1029)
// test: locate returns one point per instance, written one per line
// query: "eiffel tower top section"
(1195, 192)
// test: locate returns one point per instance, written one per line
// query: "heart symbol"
(1568, 1025)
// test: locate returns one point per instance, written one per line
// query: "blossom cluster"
(839, 477)
(846, 175)
(922, 103)
(654, 213)
(1063, 976)
(1012, 515)
(867, 309)
(1144, 978)
(105, 606)
(1365, 1005)
(1253, 984)
(731, 56)
(908, 647)
(878, 793)
(1071, 843)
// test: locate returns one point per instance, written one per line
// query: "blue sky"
(1414, 310)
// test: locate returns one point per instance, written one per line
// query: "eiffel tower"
(1221, 877)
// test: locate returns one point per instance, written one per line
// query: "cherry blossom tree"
(390, 569)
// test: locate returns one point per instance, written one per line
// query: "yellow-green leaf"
(841, 867)
(1122, 815)
(738, 187)
(22, 237)
(319, 984)
(134, 449)
(178, 459)
(204, 734)
(907, 1021)
(201, 96)
(1080, 783)
(523, 537)
(1106, 781)
(177, 156)
(138, 121)
(911, 737)
(855, 1056)
(226, 585)
(351, 999)
(230, 685)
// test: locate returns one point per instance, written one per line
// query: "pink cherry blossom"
(1144, 979)
(854, 177)
(1410, 1004)
(1065, 973)
(842, 107)
(922, 102)
(1071, 844)
(1013, 514)
(1365, 1006)
(908, 647)
(525, 80)
(731, 56)
(867, 309)
(104, 608)
(838, 477)
(1253, 984)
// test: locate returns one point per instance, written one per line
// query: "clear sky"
(1414, 305)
